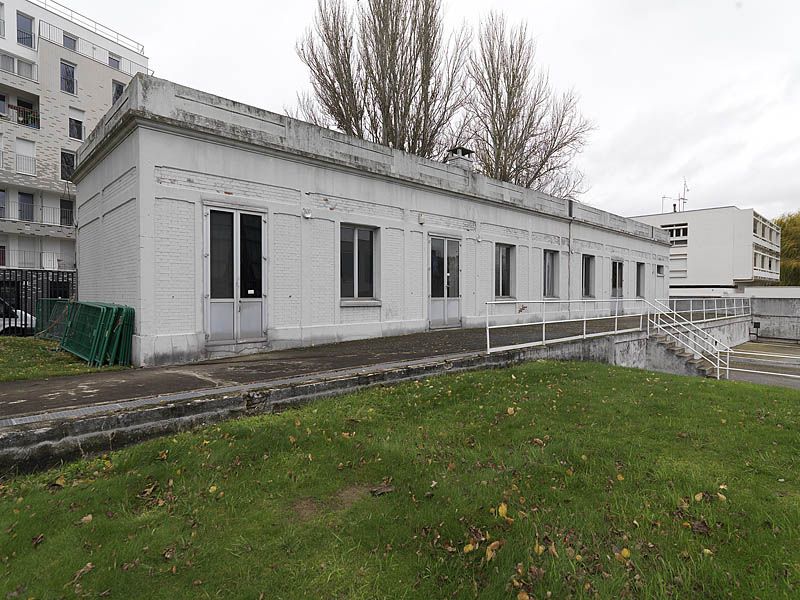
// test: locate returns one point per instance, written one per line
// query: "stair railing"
(699, 342)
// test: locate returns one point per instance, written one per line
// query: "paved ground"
(28, 397)
(788, 364)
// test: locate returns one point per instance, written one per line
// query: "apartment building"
(718, 251)
(60, 72)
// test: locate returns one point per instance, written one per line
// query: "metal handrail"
(676, 315)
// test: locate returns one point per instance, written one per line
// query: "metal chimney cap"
(460, 151)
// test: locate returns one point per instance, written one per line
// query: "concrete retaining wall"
(779, 317)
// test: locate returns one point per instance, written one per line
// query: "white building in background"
(60, 72)
(719, 251)
(232, 229)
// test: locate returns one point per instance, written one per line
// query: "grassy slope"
(31, 358)
(277, 505)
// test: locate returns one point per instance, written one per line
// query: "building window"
(2, 264)
(113, 61)
(67, 212)
(660, 270)
(616, 279)
(357, 264)
(640, 271)
(117, 89)
(503, 258)
(2, 204)
(25, 69)
(70, 42)
(7, 63)
(68, 82)
(75, 129)
(25, 202)
(587, 276)
(67, 164)
(3, 104)
(25, 30)
(26, 156)
(550, 271)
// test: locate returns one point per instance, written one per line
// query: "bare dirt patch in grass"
(309, 508)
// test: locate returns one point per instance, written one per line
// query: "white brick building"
(232, 229)
(718, 251)
(59, 74)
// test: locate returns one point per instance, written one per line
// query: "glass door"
(236, 259)
(445, 283)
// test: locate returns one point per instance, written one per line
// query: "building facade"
(60, 72)
(719, 251)
(232, 229)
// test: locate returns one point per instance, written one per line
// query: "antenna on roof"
(682, 198)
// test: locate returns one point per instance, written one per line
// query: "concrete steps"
(694, 362)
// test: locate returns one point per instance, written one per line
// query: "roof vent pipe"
(461, 157)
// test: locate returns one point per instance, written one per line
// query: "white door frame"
(236, 211)
(449, 319)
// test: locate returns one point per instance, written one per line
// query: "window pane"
(437, 268)
(25, 206)
(250, 262)
(498, 266)
(76, 129)
(221, 254)
(452, 269)
(67, 165)
(2, 204)
(506, 271)
(365, 263)
(347, 258)
(67, 208)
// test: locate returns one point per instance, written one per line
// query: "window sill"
(353, 302)
(504, 298)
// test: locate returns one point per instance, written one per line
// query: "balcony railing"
(29, 259)
(69, 85)
(26, 38)
(54, 34)
(91, 25)
(26, 164)
(47, 215)
(23, 116)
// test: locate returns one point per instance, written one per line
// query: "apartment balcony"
(29, 259)
(27, 117)
(46, 215)
(26, 165)
(19, 66)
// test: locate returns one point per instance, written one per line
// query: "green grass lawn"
(577, 479)
(31, 358)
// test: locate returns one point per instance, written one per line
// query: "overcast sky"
(703, 89)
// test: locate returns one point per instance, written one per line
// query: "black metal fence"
(22, 288)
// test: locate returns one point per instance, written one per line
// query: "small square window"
(113, 61)
(70, 42)
(75, 129)
(660, 270)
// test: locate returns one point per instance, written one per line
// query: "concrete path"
(19, 398)
(790, 366)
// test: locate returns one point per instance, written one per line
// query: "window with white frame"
(550, 273)
(67, 164)
(113, 61)
(587, 276)
(357, 262)
(503, 261)
(70, 41)
(75, 128)
(640, 280)
(117, 89)
(616, 279)
(660, 270)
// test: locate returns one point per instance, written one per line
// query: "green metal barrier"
(98, 332)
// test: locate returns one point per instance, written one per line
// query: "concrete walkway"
(790, 366)
(19, 398)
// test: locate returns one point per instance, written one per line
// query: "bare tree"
(521, 131)
(385, 72)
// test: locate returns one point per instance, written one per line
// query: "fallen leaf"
(382, 489)
(707, 552)
(86, 519)
(620, 477)
(538, 549)
(625, 553)
(502, 510)
(492, 549)
(212, 489)
(82, 571)
(37, 540)
(468, 548)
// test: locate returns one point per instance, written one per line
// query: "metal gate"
(21, 289)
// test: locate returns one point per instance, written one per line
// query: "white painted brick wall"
(120, 281)
(285, 269)
(392, 274)
(322, 272)
(175, 253)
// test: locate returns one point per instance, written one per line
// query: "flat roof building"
(233, 229)
(719, 251)
(60, 72)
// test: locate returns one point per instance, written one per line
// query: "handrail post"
(691, 310)
(488, 345)
(544, 308)
(585, 304)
